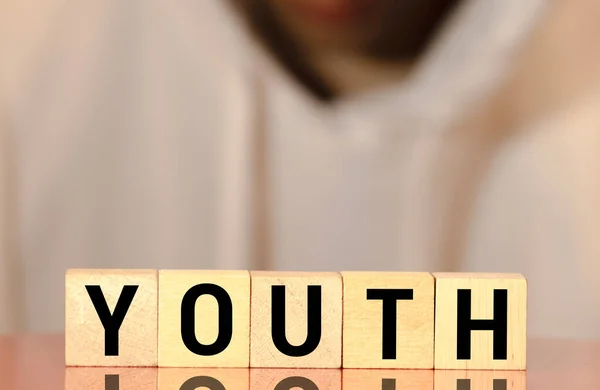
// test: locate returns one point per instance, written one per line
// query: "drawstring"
(261, 229)
(11, 305)
(244, 229)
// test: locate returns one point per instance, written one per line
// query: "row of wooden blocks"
(288, 379)
(197, 318)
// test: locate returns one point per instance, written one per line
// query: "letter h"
(465, 324)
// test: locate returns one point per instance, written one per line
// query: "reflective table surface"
(37, 362)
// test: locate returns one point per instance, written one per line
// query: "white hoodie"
(157, 134)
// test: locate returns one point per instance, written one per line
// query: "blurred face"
(387, 28)
(304, 33)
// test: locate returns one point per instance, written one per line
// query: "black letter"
(111, 382)
(202, 381)
(188, 320)
(499, 384)
(388, 384)
(465, 325)
(465, 384)
(313, 337)
(111, 322)
(389, 298)
(296, 381)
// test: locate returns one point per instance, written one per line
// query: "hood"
(469, 58)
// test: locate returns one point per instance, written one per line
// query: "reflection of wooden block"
(315, 346)
(108, 378)
(203, 378)
(480, 380)
(131, 336)
(288, 379)
(467, 307)
(404, 303)
(387, 379)
(212, 300)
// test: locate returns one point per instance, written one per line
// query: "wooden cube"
(480, 380)
(388, 320)
(288, 379)
(111, 318)
(203, 378)
(110, 378)
(204, 318)
(480, 321)
(283, 304)
(361, 379)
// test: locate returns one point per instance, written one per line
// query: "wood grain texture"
(110, 378)
(480, 380)
(203, 378)
(386, 379)
(288, 379)
(173, 285)
(482, 288)
(84, 332)
(363, 319)
(263, 352)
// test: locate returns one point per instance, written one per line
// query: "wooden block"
(110, 378)
(480, 380)
(388, 320)
(217, 323)
(201, 378)
(316, 346)
(466, 304)
(130, 338)
(288, 379)
(362, 379)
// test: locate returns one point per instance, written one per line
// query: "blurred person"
(438, 135)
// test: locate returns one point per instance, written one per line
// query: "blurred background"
(310, 135)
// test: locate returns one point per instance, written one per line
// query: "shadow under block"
(127, 302)
(216, 306)
(481, 321)
(480, 380)
(292, 379)
(296, 320)
(387, 379)
(388, 320)
(110, 378)
(203, 378)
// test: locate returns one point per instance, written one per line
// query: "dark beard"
(405, 31)
(272, 34)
